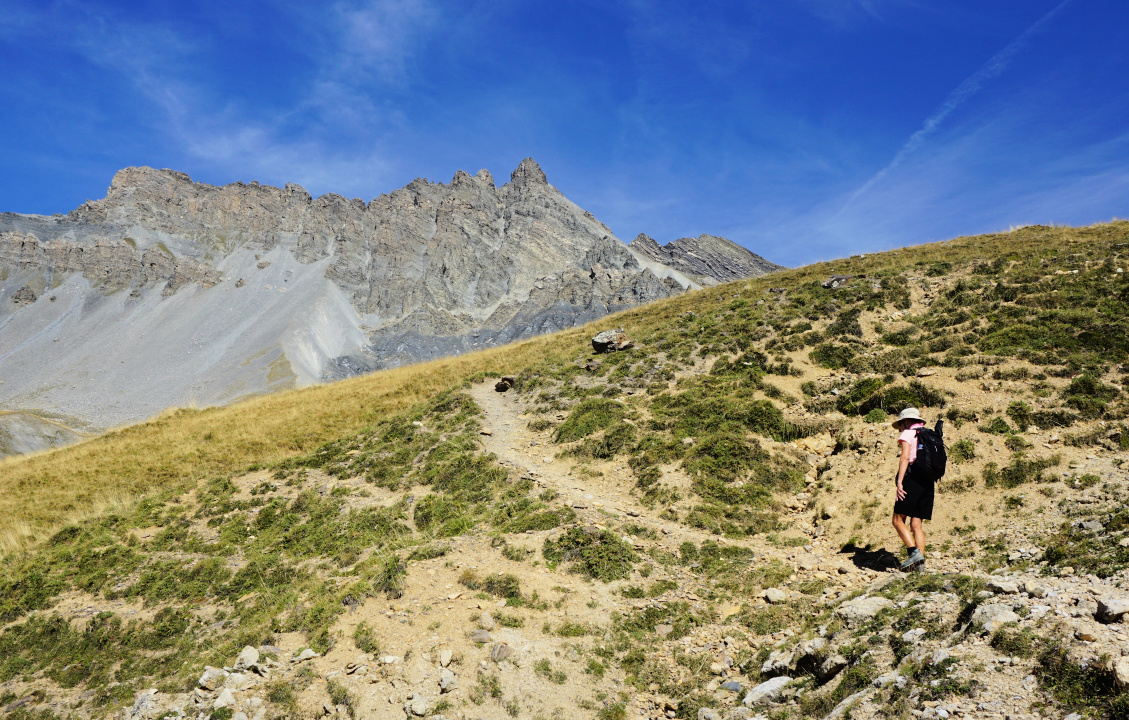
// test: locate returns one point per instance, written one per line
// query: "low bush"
(1021, 470)
(594, 552)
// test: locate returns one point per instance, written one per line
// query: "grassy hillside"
(676, 480)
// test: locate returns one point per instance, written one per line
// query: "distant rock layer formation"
(169, 292)
(706, 258)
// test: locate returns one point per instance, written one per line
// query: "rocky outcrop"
(706, 256)
(109, 266)
(187, 292)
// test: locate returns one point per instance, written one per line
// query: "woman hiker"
(915, 493)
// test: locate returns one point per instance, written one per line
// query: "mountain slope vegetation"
(637, 532)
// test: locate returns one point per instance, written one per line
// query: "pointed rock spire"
(528, 173)
(484, 176)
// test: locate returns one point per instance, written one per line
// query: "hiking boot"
(915, 560)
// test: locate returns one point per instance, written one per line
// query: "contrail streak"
(988, 71)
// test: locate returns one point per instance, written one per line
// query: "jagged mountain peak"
(244, 288)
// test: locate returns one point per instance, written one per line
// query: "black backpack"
(931, 455)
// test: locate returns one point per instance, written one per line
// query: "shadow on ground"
(864, 557)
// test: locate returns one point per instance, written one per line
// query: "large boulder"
(611, 341)
(248, 657)
(1112, 610)
(211, 678)
(832, 666)
(779, 662)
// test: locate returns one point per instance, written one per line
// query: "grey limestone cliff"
(706, 257)
(169, 292)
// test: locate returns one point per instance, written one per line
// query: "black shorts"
(918, 502)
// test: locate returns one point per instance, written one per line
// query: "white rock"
(237, 681)
(418, 706)
(992, 617)
(779, 662)
(815, 646)
(212, 678)
(247, 657)
(708, 714)
(775, 595)
(831, 667)
(1005, 587)
(913, 636)
(388, 659)
(225, 699)
(766, 691)
(447, 681)
(1112, 609)
(1121, 672)
(856, 611)
(445, 657)
(306, 654)
(883, 680)
(486, 622)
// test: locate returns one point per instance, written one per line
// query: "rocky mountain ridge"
(172, 292)
(707, 258)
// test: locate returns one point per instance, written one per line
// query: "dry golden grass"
(40, 493)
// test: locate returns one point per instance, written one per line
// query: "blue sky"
(802, 129)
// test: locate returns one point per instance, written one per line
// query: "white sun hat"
(909, 413)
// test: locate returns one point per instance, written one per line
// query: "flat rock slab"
(767, 691)
(860, 609)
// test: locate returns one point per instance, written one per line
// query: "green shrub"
(913, 394)
(877, 415)
(364, 637)
(1020, 414)
(1016, 443)
(900, 338)
(997, 426)
(831, 355)
(503, 585)
(1050, 419)
(614, 441)
(861, 397)
(1014, 642)
(1021, 470)
(389, 578)
(594, 552)
(962, 451)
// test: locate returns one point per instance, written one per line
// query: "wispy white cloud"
(971, 85)
(847, 14)
(380, 36)
(367, 47)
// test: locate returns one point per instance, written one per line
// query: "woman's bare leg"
(903, 531)
(918, 534)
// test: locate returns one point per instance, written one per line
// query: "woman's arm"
(903, 464)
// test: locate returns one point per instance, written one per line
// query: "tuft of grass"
(1090, 686)
(589, 416)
